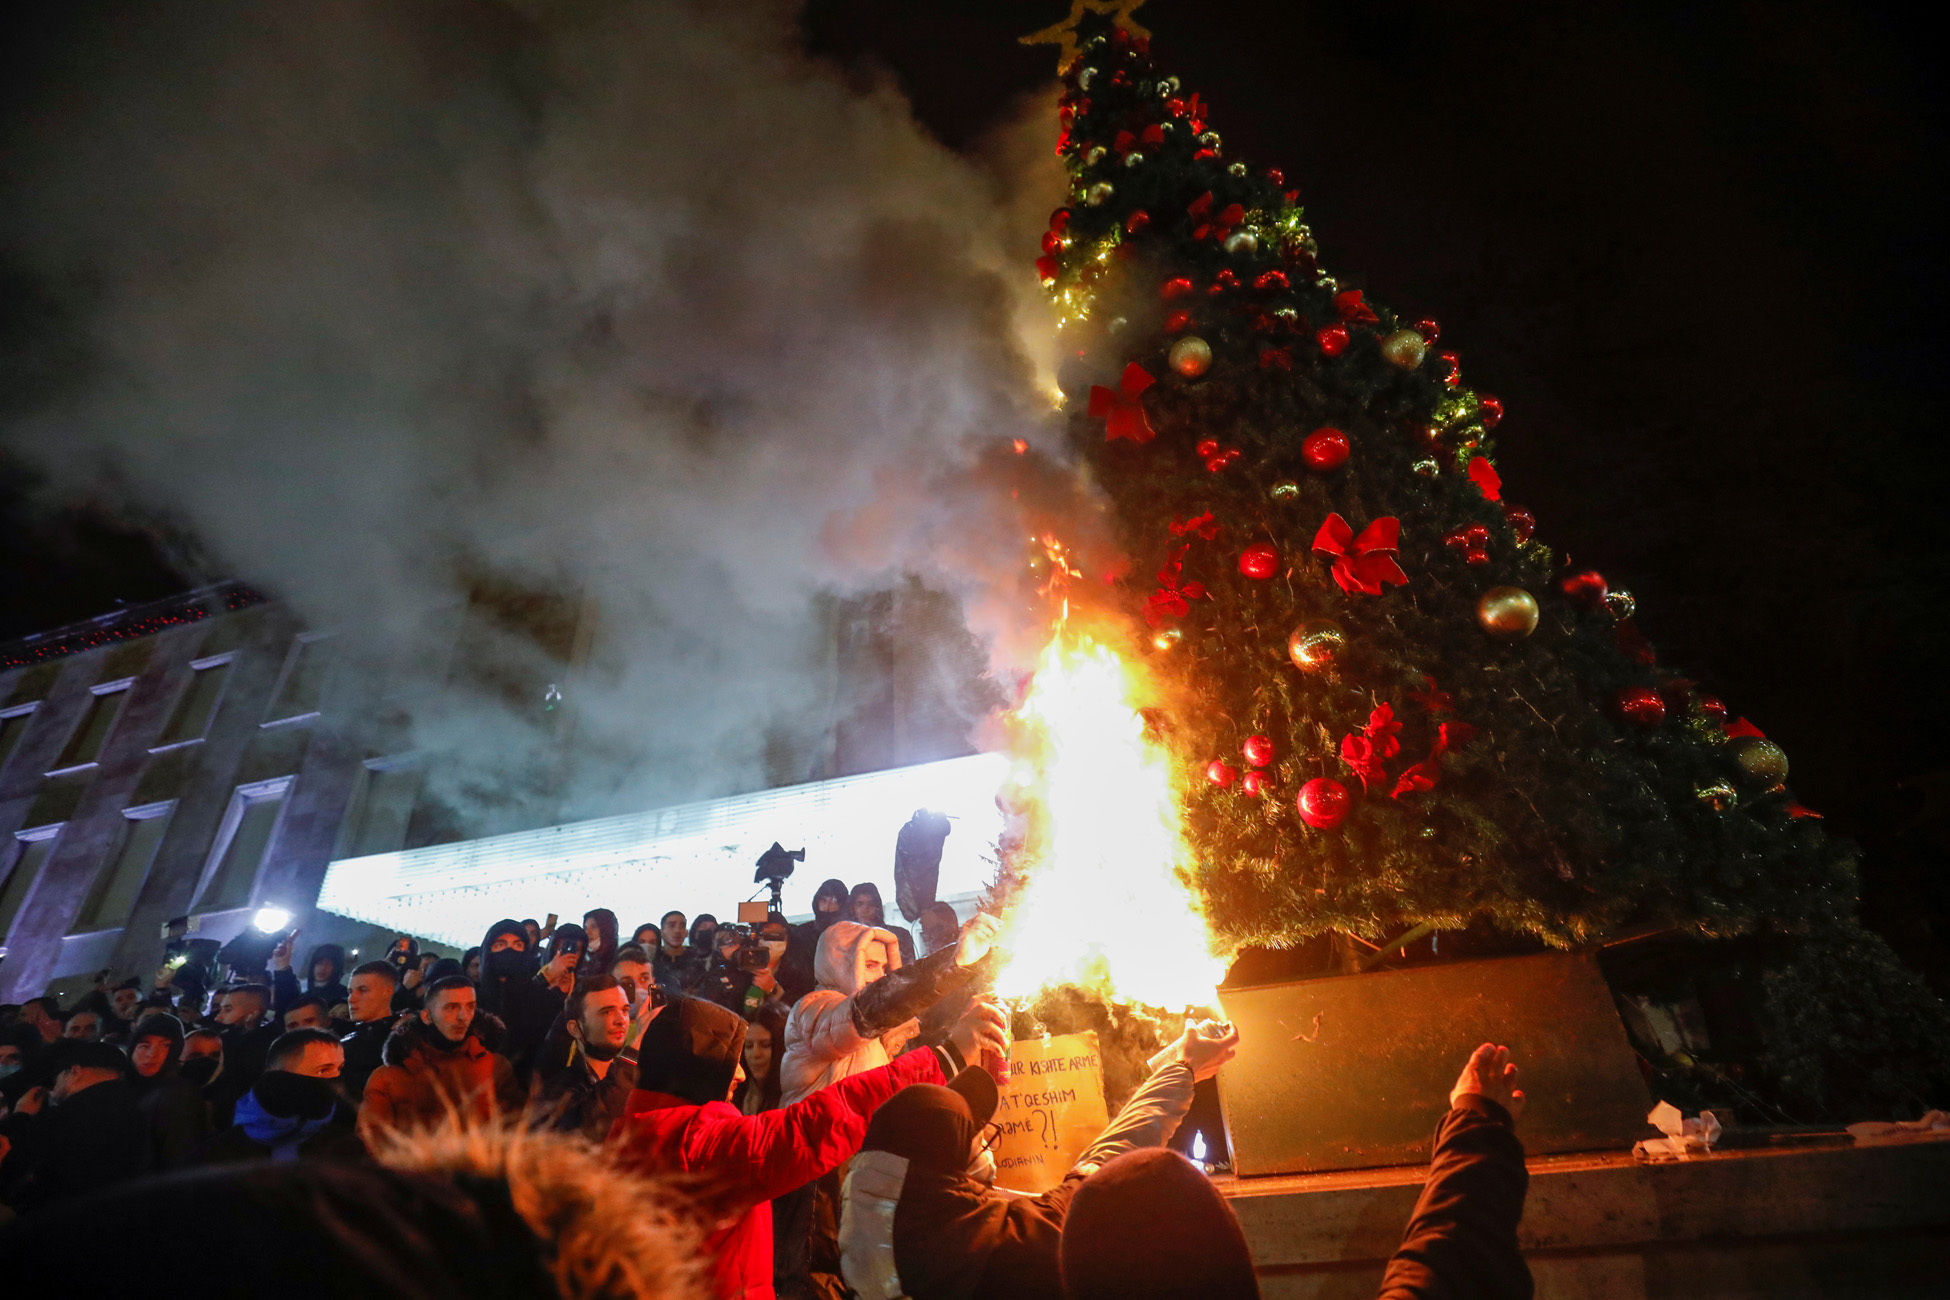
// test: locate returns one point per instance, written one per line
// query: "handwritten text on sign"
(1052, 1108)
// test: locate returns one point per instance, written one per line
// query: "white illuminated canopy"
(695, 857)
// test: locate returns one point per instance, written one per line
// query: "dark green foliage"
(1557, 820)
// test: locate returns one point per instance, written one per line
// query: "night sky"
(1696, 251)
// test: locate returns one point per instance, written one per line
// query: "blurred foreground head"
(463, 1210)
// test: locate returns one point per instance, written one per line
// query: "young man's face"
(148, 1055)
(634, 976)
(309, 1016)
(864, 910)
(450, 1013)
(873, 961)
(318, 1061)
(826, 905)
(322, 971)
(676, 930)
(125, 1000)
(240, 1009)
(508, 943)
(371, 998)
(605, 1021)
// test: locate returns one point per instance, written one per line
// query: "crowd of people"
(696, 1109)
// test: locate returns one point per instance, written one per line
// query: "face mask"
(505, 962)
(200, 1070)
(10, 1068)
(982, 1167)
(776, 947)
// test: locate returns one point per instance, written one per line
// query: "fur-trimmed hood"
(486, 1034)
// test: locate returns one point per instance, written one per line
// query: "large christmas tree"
(1397, 713)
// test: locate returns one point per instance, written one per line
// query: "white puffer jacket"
(822, 1043)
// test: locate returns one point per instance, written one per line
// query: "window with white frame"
(13, 725)
(301, 685)
(104, 707)
(190, 722)
(381, 807)
(113, 895)
(243, 838)
(30, 852)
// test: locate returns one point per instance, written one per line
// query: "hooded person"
(171, 1105)
(600, 929)
(1149, 1225)
(920, 1214)
(290, 1113)
(324, 978)
(802, 944)
(85, 1133)
(865, 1008)
(458, 1212)
(510, 992)
(864, 906)
(680, 1122)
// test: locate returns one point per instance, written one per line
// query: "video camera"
(774, 869)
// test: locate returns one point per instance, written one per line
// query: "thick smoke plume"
(384, 303)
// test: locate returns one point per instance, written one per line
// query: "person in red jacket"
(680, 1120)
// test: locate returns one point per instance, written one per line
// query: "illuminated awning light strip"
(696, 857)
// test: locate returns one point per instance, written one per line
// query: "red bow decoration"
(1362, 563)
(1421, 776)
(1350, 307)
(1153, 137)
(1121, 411)
(1205, 525)
(1484, 476)
(1171, 600)
(1217, 226)
(1367, 751)
(1740, 728)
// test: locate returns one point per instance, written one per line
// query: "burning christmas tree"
(1392, 712)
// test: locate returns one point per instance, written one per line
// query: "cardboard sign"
(1052, 1108)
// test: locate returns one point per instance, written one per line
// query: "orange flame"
(1106, 899)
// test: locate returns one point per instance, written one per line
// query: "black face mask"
(505, 963)
(200, 1070)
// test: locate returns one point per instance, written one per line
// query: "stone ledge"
(1607, 1225)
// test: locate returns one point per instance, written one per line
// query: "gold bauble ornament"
(1097, 194)
(1241, 242)
(1237, 169)
(1719, 796)
(1761, 759)
(1509, 613)
(1191, 356)
(1095, 154)
(1620, 604)
(1316, 644)
(1167, 638)
(1285, 490)
(1404, 349)
(1135, 158)
(1427, 468)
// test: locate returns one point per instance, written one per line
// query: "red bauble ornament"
(1207, 447)
(1176, 287)
(1136, 222)
(1260, 560)
(1258, 750)
(1640, 706)
(1490, 411)
(1051, 241)
(1323, 803)
(1324, 449)
(1332, 339)
(1276, 177)
(1253, 784)
(1059, 220)
(1587, 589)
(1522, 522)
(1047, 269)
(1429, 330)
(1176, 322)
(1713, 707)
(1221, 773)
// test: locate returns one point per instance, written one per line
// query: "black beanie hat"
(158, 1025)
(691, 1050)
(933, 1126)
(1150, 1226)
(93, 1056)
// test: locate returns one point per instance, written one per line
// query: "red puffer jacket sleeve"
(788, 1148)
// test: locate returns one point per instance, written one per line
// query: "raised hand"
(1208, 1046)
(982, 1028)
(1488, 1073)
(977, 937)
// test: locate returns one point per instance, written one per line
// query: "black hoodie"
(901, 933)
(802, 942)
(171, 1105)
(510, 991)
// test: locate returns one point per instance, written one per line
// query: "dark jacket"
(577, 1101)
(902, 935)
(331, 990)
(950, 1237)
(93, 1139)
(244, 1051)
(510, 991)
(1462, 1238)
(363, 1047)
(286, 1117)
(171, 1105)
(802, 942)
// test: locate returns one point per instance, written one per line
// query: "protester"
(680, 1122)
(696, 961)
(762, 1087)
(292, 1112)
(83, 1133)
(585, 1093)
(171, 1104)
(796, 972)
(459, 1212)
(723, 981)
(562, 959)
(308, 1012)
(203, 1063)
(939, 927)
(510, 991)
(645, 936)
(599, 926)
(44, 1015)
(403, 955)
(324, 975)
(863, 905)
(435, 1061)
(470, 964)
(84, 1023)
(369, 999)
(673, 945)
(246, 1038)
(765, 990)
(922, 1218)
(634, 974)
(534, 929)
(864, 1010)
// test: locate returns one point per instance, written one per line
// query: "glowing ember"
(1106, 902)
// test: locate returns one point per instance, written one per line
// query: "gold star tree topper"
(1064, 34)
